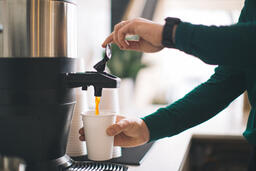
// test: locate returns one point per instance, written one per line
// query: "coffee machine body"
(38, 46)
(38, 28)
(35, 109)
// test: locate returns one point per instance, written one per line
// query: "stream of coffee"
(97, 102)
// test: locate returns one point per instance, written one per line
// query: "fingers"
(108, 40)
(119, 117)
(119, 127)
(134, 45)
(118, 37)
(81, 132)
(116, 32)
(82, 138)
(126, 29)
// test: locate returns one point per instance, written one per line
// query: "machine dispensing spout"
(97, 92)
(91, 78)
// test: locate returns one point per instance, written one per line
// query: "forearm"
(225, 45)
(199, 105)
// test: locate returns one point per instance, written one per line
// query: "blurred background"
(158, 78)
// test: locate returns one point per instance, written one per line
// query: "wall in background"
(173, 73)
(118, 8)
(93, 28)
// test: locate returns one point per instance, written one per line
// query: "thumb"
(133, 45)
(118, 127)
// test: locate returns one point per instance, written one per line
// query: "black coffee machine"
(38, 81)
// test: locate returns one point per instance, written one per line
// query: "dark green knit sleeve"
(202, 103)
(232, 45)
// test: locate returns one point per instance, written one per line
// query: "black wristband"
(167, 31)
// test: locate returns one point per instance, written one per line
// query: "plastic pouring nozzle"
(97, 91)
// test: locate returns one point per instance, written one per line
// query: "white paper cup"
(99, 145)
(75, 147)
(109, 101)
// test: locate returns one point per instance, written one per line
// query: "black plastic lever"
(100, 66)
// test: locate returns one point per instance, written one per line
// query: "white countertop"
(168, 153)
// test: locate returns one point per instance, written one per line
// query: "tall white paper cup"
(109, 101)
(75, 147)
(99, 145)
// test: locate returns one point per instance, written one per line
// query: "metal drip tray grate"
(96, 166)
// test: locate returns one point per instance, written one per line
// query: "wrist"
(145, 132)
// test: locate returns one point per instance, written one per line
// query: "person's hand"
(150, 35)
(128, 132)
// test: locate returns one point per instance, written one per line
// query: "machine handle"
(100, 66)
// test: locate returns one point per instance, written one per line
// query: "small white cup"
(99, 145)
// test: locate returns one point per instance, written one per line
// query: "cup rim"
(91, 113)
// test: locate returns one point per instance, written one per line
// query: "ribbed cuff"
(149, 120)
(159, 124)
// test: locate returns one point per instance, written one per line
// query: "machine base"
(65, 163)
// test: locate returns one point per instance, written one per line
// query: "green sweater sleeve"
(232, 45)
(202, 103)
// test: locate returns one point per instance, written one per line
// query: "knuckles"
(117, 128)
